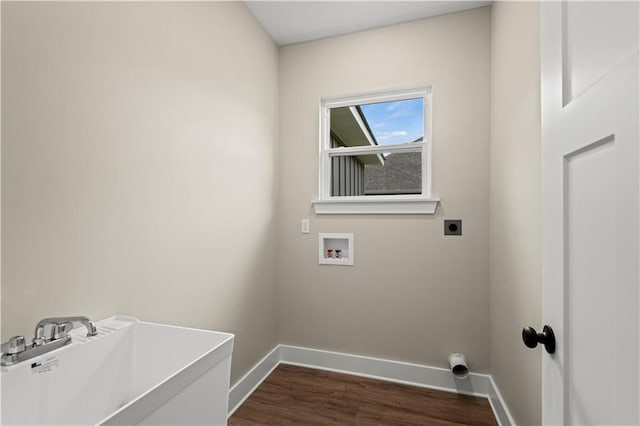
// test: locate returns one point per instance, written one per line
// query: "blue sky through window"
(395, 122)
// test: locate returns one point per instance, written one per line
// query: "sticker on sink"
(45, 366)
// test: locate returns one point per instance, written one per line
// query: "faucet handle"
(39, 339)
(91, 329)
(16, 345)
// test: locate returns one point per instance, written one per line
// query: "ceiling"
(296, 21)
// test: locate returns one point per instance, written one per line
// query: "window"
(375, 153)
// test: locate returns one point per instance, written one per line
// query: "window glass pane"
(376, 174)
(381, 123)
(395, 122)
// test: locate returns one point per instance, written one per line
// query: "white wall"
(413, 294)
(139, 167)
(515, 204)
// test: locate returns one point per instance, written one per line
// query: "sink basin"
(132, 372)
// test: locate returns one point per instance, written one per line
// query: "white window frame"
(423, 203)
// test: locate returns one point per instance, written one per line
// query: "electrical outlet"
(304, 228)
(453, 227)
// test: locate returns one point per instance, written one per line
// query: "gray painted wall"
(515, 204)
(413, 294)
(139, 167)
(120, 191)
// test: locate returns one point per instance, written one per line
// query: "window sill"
(389, 206)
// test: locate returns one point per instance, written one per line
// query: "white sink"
(132, 372)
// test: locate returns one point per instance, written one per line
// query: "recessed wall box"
(453, 227)
(335, 249)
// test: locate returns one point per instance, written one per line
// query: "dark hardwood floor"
(303, 396)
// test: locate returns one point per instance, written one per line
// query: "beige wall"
(515, 204)
(140, 163)
(139, 167)
(413, 294)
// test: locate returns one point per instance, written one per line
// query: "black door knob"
(531, 338)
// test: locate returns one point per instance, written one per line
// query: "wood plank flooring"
(303, 396)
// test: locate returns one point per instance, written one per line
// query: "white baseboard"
(481, 385)
(499, 406)
(250, 381)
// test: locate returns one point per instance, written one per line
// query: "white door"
(590, 184)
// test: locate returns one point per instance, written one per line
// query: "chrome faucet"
(15, 350)
(60, 326)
